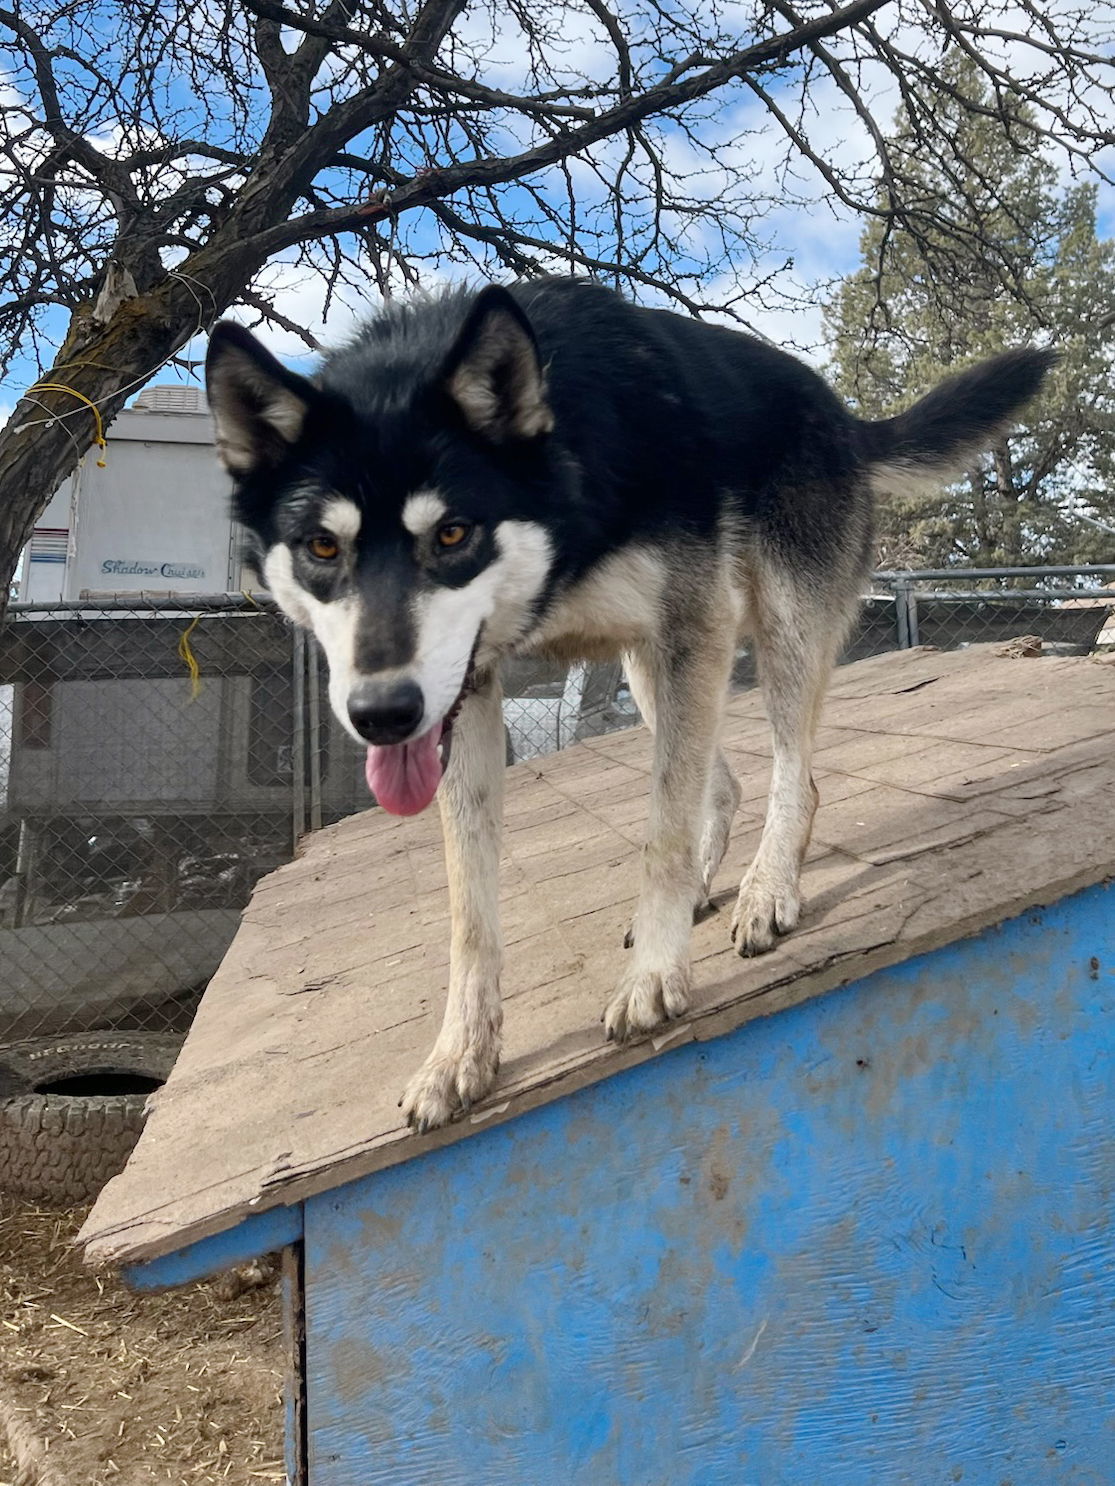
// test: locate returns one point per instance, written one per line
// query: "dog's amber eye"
(453, 533)
(322, 547)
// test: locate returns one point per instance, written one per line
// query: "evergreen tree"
(988, 254)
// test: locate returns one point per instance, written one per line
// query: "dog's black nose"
(386, 711)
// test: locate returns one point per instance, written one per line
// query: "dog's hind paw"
(762, 914)
(645, 999)
(447, 1086)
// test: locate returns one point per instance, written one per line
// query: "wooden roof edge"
(111, 1245)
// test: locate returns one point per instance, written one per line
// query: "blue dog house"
(851, 1222)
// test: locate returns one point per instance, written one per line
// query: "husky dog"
(549, 469)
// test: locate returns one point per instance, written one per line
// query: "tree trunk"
(982, 556)
(1009, 503)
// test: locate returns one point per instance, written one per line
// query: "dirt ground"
(101, 1386)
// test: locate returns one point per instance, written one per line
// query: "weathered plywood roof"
(957, 790)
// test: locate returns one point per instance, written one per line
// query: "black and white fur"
(629, 481)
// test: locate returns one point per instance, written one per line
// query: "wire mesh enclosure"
(1066, 608)
(148, 782)
(157, 757)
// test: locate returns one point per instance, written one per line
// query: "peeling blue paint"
(259, 1234)
(870, 1240)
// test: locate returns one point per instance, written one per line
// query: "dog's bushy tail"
(934, 440)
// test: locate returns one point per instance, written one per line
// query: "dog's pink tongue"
(404, 776)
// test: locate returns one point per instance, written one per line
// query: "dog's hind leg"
(465, 1058)
(722, 793)
(685, 672)
(798, 634)
(721, 803)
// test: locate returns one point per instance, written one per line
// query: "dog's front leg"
(463, 1063)
(689, 681)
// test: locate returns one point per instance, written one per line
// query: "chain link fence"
(158, 756)
(147, 779)
(1067, 608)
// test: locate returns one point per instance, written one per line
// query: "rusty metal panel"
(867, 1240)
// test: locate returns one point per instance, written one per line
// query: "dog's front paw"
(764, 911)
(644, 1000)
(448, 1084)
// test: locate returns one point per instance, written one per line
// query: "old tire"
(71, 1109)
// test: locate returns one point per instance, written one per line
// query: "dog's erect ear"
(493, 373)
(259, 407)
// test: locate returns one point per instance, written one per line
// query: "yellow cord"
(250, 597)
(189, 660)
(89, 403)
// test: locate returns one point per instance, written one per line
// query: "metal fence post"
(298, 736)
(901, 614)
(912, 616)
(313, 690)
